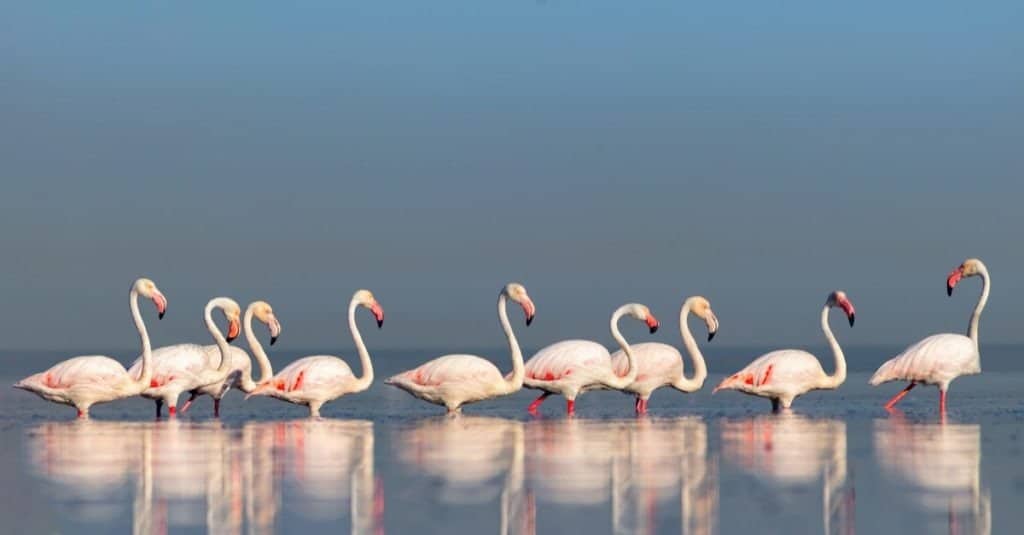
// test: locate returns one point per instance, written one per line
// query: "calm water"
(381, 462)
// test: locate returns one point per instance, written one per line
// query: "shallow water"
(383, 462)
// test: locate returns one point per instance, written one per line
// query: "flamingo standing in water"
(184, 368)
(785, 374)
(85, 381)
(454, 380)
(940, 358)
(240, 375)
(571, 367)
(661, 364)
(313, 381)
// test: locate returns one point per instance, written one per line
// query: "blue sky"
(599, 152)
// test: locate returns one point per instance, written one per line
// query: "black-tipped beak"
(711, 335)
(529, 320)
(852, 317)
(272, 340)
(380, 323)
(161, 315)
(949, 290)
(654, 329)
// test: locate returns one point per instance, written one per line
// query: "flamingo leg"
(216, 408)
(642, 404)
(159, 407)
(775, 404)
(570, 407)
(82, 414)
(942, 402)
(636, 405)
(896, 399)
(188, 403)
(172, 411)
(532, 409)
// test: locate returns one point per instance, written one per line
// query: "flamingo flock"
(567, 368)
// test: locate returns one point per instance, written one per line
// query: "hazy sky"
(600, 152)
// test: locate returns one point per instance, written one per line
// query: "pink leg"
(570, 407)
(172, 411)
(188, 403)
(636, 406)
(643, 407)
(81, 413)
(216, 408)
(896, 399)
(532, 409)
(942, 402)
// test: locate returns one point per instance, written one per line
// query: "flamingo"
(455, 380)
(661, 364)
(313, 381)
(571, 367)
(940, 358)
(183, 367)
(85, 381)
(240, 375)
(785, 374)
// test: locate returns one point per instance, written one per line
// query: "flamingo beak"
(529, 310)
(652, 323)
(233, 329)
(378, 313)
(847, 307)
(275, 330)
(954, 278)
(161, 304)
(712, 322)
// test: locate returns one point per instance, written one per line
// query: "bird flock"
(567, 368)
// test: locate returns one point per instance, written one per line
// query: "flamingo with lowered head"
(240, 375)
(85, 381)
(454, 380)
(571, 367)
(940, 358)
(659, 364)
(313, 381)
(184, 368)
(785, 374)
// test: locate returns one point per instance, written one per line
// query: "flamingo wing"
(561, 359)
(310, 373)
(77, 371)
(936, 359)
(783, 370)
(453, 369)
(179, 359)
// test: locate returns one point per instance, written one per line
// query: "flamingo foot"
(216, 408)
(532, 409)
(570, 407)
(896, 399)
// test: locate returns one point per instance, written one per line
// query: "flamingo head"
(701, 308)
(838, 299)
(232, 312)
(265, 313)
(970, 268)
(517, 293)
(365, 298)
(147, 288)
(642, 313)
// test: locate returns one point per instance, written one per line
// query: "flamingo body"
(782, 375)
(82, 382)
(657, 364)
(311, 380)
(569, 368)
(936, 360)
(452, 381)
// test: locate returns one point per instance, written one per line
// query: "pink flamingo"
(783, 375)
(85, 381)
(940, 358)
(659, 364)
(455, 380)
(313, 381)
(572, 367)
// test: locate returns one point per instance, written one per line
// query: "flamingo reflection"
(790, 451)
(939, 464)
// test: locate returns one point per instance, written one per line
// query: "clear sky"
(758, 153)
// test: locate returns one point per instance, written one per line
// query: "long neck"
(222, 344)
(837, 378)
(366, 379)
(513, 382)
(700, 369)
(972, 329)
(147, 351)
(266, 370)
(630, 377)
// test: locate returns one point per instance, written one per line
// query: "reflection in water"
(940, 464)
(475, 458)
(203, 475)
(789, 451)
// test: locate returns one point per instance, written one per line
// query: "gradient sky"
(761, 154)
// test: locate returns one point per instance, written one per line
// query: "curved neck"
(514, 381)
(972, 328)
(630, 377)
(837, 378)
(266, 370)
(222, 344)
(364, 381)
(700, 369)
(147, 350)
